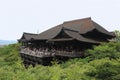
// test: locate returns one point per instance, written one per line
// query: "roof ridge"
(29, 33)
(77, 20)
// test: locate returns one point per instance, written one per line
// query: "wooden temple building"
(64, 41)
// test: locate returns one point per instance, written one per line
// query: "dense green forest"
(101, 63)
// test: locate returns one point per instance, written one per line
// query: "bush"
(111, 50)
(105, 69)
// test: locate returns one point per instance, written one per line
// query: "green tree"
(111, 50)
(117, 36)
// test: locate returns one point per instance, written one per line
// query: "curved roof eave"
(79, 37)
(49, 34)
(102, 30)
(28, 36)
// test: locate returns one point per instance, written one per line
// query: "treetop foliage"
(101, 63)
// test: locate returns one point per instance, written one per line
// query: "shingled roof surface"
(51, 33)
(81, 25)
(28, 36)
(72, 28)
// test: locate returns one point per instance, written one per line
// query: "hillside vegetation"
(101, 63)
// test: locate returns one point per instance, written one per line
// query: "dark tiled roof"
(85, 25)
(28, 36)
(79, 37)
(72, 28)
(51, 33)
(101, 29)
(81, 25)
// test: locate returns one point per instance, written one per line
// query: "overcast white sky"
(18, 16)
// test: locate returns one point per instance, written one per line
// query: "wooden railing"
(38, 53)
